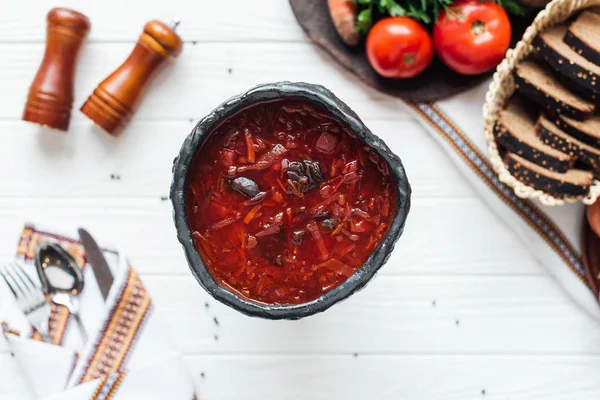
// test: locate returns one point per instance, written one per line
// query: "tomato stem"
(409, 59)
(478, 27)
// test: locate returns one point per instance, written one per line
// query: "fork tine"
(18, 287)
(8, 284)
(21, 272)
(30, 298)
(19, 280)
(35, 291)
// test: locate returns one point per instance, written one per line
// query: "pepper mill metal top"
(50, 97)
(116, 98)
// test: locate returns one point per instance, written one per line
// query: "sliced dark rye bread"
(587, 131)
(551, 47)
(581, 91)
(539, 83)
(574, 182)
(515, 130)
(574, 87)
(555, 137)
(583, 36)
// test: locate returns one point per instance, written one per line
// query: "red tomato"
(473, 36)
(399, 47)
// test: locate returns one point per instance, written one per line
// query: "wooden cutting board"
(436, 83)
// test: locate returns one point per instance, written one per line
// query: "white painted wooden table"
(461, 311)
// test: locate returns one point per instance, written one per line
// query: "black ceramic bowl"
(312, 94)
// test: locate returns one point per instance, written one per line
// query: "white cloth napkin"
(551, 233)
(128, 354)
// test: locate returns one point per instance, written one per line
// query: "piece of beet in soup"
(284, 203)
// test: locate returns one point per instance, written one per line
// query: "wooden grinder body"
(50, 97)
(117, 97)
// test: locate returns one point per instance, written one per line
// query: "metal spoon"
(61, 278)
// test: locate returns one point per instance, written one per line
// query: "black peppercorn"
(298, 237)
(330, 223)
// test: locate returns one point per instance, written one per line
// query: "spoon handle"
(84, 335)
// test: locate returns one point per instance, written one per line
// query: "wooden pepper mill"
(50, 95)
(116, 98)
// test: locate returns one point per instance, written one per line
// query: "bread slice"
(587, 131)
(571, 183)
(581, 91)
(583, 36)
(553, 136)
(515, 130)
(539, 83)
(551, 47)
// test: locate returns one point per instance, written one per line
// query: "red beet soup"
(285, 203)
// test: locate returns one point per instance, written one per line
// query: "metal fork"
(30, 298)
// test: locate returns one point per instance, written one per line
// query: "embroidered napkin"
(552, 233)
(128, 353)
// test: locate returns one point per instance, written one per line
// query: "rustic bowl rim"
(264, 93)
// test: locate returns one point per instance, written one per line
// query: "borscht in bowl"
(285, 203)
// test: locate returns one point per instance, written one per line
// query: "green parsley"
(425, 11)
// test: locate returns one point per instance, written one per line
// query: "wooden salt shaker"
(116, 98)
(50, 95)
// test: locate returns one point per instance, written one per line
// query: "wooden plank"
(199, 80)
(86, 160)
(318, 377)
(393, 378)
(393, 315)
(266, 20)
(89, 163)
(144, 228)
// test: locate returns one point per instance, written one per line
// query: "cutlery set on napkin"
(80, 323)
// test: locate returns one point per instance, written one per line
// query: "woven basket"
(503, 86)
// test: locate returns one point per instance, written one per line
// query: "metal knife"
(94, 256)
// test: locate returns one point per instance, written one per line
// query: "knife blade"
(94, 256)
